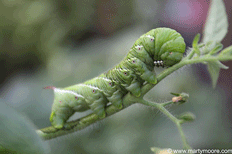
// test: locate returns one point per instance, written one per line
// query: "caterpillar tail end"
(51, 116)
(56, 122)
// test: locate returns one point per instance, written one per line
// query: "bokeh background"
(62, 43)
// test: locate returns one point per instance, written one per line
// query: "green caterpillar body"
(158, 47)
(139, 52)
(94, 97)
(126, 79)
(139, 68)
(110, 89)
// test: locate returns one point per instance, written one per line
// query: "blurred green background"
(61, 43)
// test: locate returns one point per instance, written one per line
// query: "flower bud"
(187, 117)
(180, 98)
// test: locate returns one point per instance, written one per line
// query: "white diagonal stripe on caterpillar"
(106, 79)
(67, 91)
(90, 86)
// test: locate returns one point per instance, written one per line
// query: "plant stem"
(166, 103)
(182, 63)
(170, 116)
(184, 141)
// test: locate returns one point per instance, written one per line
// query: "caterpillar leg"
(149, 77)
(94, 97)
(116, 99)
(97, 103)
(58, 119)
(134, 88)
(140, 69)
(125, 78)
(109, 88)
(98, 108)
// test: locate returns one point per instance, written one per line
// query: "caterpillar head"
(169, 46)
(164, 45)
(172, 52)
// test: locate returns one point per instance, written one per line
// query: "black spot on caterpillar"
(158, 47)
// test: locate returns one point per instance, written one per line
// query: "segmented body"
(158, 47)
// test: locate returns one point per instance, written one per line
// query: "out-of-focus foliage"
(28, 33)
(216, 28)
(217, 23)
(31, 32)
(18, 133)
(137, 128)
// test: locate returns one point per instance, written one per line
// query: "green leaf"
(195, 47)
(195, 44)
(218, 47)
(211, 48)
(216, 25)
(226, 52)
(207, 47)
(18, 133)
(214, 68)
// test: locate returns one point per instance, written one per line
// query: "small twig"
(166, 103)
(170, 116)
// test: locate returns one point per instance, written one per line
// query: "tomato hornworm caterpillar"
(158, 47)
